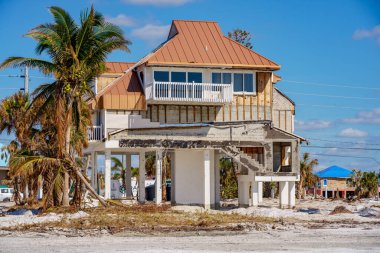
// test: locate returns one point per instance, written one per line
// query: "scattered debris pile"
(340, 209)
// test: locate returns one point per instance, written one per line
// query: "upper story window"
(178, 76)
(161, 76)
(243, 82)
(224, 78)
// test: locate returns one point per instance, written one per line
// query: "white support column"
(107, 174)
(260, 192)
(142, 177)
(243, 190)
(255, 193)
(172, 174)
(158, 185)
(217, 179)
(128, 176)
(292, 194)
(284, 194)
(93, 172)
(207, 179)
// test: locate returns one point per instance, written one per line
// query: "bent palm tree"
(77, 54)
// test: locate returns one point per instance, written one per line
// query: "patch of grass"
(145, 218)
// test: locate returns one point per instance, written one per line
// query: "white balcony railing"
(189, 92)
(95, 133)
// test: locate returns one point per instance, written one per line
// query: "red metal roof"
(202, 43)
(118, 67)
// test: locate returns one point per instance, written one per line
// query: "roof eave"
(213, 65)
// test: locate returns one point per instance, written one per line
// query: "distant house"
(333, 181)
(3, 168)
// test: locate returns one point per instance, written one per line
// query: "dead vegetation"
(340, 209)
(149, 218)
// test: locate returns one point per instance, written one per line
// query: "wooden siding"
(124, 94)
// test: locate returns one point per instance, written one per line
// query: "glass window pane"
(195, 77)
(179, 77)
(161, 76)
(238, 82)
(227, 78)
(248, 82)
(216, 78)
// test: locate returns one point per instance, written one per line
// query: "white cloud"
(366, 117)
(350, 132)
(157, 2)
(121, 20)
(152, 33)
(312, 125)
(373, 33)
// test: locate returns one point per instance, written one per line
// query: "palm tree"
(369, 182)
(77, 54)
(307, 178)
(120, 166)
(356, 181)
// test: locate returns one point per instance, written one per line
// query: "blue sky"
(329, 52)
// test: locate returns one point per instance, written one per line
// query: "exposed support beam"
(107, 174)
(158, 185)
(142, 177)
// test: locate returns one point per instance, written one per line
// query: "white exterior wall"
(189, 177)
(127, 120)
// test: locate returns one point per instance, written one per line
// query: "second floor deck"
(200, 93)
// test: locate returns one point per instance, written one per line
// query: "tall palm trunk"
(66, 182)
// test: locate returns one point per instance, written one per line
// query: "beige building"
(197, 97)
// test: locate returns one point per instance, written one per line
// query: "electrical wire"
(345, 142)
(369, 149)
(330, 85)
(331, 96)
(349, 156)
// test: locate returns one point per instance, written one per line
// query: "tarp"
(334, 172)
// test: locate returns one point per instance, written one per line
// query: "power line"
(370, 149)
(359, 157)
(334, 106)
(345, 142)
(331, 85)
(331, 96)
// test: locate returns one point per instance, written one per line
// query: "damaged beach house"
(197, 97)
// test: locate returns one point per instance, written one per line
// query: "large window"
(243, 82)
(224, 78)
(161, 76)
(178, 77)
(195, 77)
(181, 89)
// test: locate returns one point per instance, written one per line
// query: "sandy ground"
(302, 232)
(323, 240)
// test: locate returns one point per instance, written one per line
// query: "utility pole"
(26, 80)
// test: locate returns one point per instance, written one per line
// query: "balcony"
(201, 93)
(95, 133)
